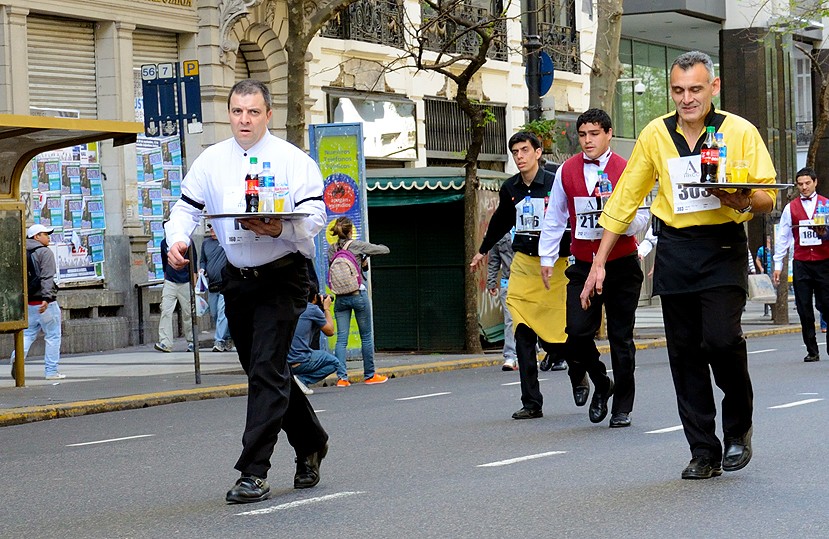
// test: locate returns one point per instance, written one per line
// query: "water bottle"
(604, 188)
(820, 213)
(266, 188)
(527, 214)
(723, 157)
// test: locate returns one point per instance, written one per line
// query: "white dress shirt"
(784, 239)
(217, 180)
(558, 211)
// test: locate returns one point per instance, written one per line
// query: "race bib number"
(689, 199)
(529, 219)
(587, 223)
(808, 236)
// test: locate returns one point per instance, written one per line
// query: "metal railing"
(445, 35)
(448, 128)
(372, 21)
(562, 44)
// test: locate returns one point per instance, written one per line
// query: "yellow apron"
(543, 311)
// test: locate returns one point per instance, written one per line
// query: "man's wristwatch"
(747, 208)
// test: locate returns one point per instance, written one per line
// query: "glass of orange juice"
(739, 171)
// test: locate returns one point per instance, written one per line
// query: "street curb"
(30, 414)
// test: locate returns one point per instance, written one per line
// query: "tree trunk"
(470, 219)
(606, 67)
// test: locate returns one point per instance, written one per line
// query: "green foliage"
(552, 135)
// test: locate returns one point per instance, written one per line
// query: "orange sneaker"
(377, 379)
(343, 383)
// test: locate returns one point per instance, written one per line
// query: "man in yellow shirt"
(700, 269)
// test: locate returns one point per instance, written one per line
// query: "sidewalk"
(139, 376)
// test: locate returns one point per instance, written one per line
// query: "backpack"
(344, 276)
(34, 284)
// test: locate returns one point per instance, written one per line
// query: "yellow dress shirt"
(649, 163)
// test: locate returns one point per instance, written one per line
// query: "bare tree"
(305, 19)
(801, 15)
(453, 39)
(606, 67)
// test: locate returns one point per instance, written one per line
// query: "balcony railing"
(562, 44)
(803, 133)
(446, 36)
(448, 129)
(372, 21)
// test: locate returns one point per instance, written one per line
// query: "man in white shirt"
(810, 270)
(265, 281)
(574, 199)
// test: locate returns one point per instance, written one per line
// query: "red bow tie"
(592, 162)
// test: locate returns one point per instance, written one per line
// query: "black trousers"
(703, 330)
(262, 314)
(525, 349)
(620, 297)
(810, 279)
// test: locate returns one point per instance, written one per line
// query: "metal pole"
(195, 336)
(532, 44)
(18, 369)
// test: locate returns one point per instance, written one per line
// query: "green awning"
(429, 185)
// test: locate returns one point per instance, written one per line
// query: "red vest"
(572, 180)
(807, 253)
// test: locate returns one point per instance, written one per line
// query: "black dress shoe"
(526, 413)
(809, 358)
(598, 406)
(249, 489)
(737, 452)
(581, 392)
(619, 419)
(308, 468)
(546, 363)
(702, 468)
(559, 365)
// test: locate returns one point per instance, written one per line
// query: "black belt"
(264, 269)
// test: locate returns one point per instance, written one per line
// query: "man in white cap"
(44, 313)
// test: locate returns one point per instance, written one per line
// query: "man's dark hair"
(806, 171)
(251, 86)
(524, 136)
(594, 116)
(313, 292)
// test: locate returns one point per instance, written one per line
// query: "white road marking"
(517, 383)
(424, 396)
(112, 440)
(298, 503)
(808, 393)
(520, 459)
(763, 351)
(663, 431)
(791, 404)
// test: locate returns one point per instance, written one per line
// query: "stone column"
(14, 60)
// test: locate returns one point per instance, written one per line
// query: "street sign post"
(172, 98)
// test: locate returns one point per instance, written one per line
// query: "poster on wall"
(160, 171)
(338, 150)
(68, 195)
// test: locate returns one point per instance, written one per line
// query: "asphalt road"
(434, 456)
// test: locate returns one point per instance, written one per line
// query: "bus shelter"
(21, 139)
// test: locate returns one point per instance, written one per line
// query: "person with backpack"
(347, 263)
(44, 312)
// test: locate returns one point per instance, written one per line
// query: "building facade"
(84, 58)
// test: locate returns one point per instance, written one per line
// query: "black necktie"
(592, 162)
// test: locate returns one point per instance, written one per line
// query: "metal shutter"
(153, 47)
(62, 65)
